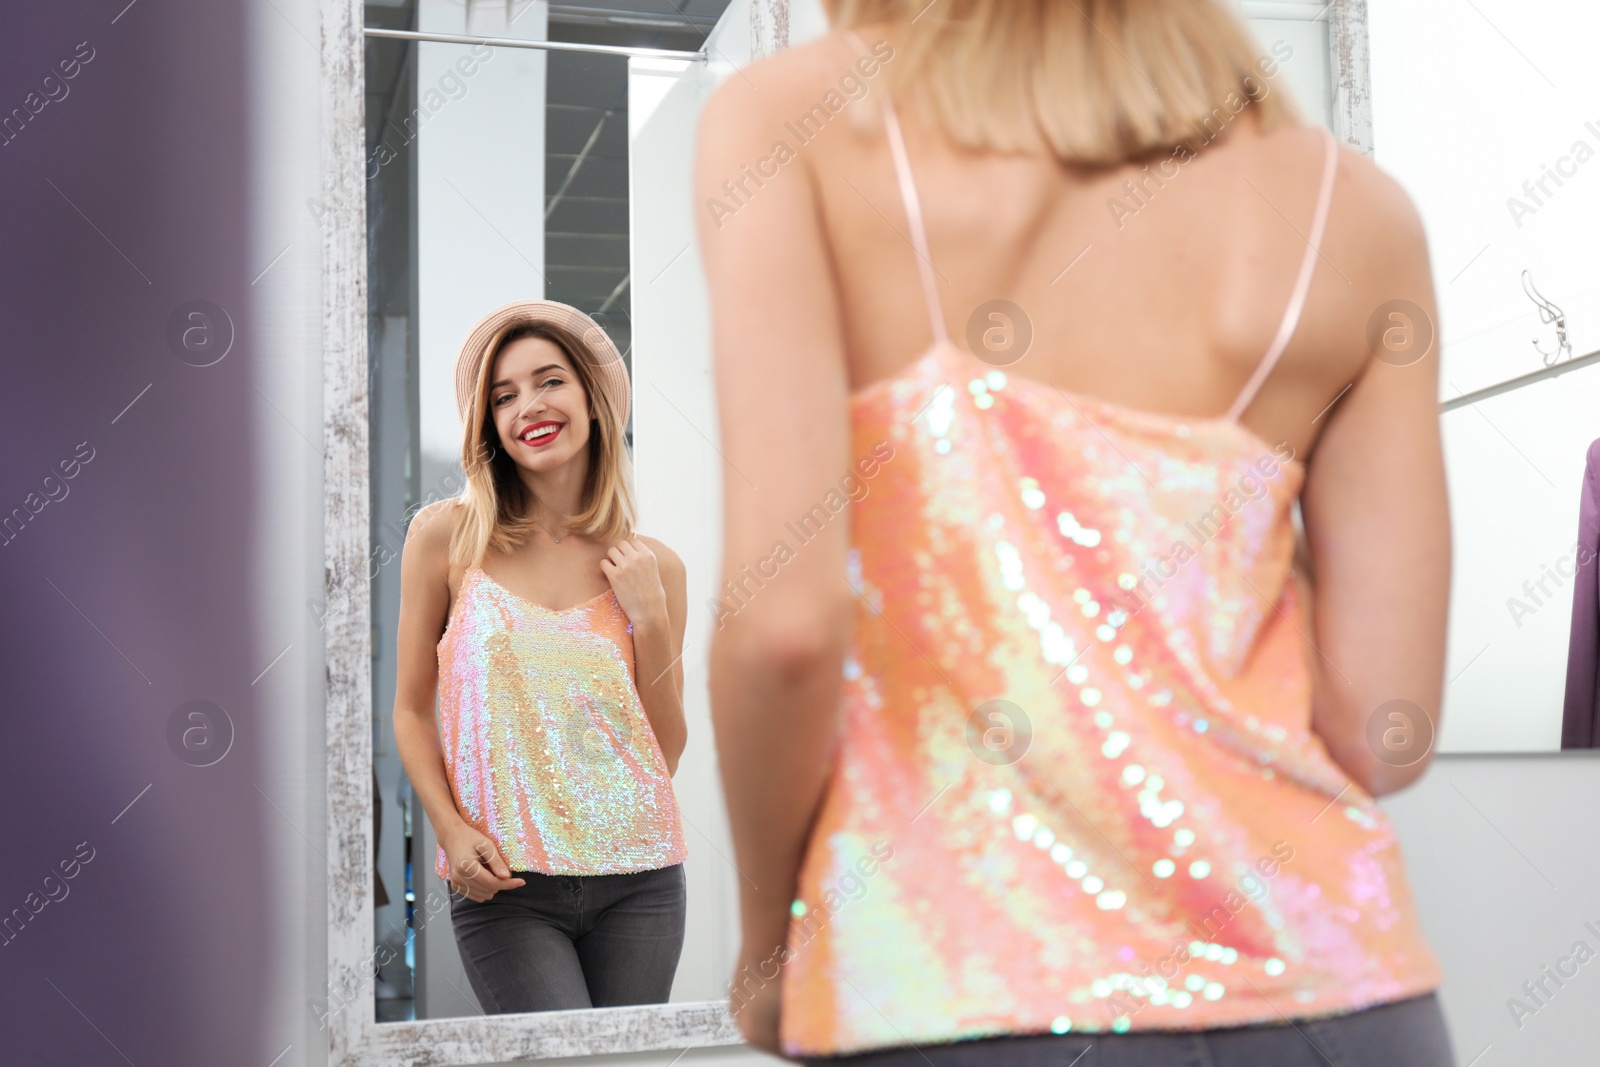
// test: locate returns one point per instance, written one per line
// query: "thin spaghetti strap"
(913, 207)
(1302, 285)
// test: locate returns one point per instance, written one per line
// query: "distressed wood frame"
(1350, 69)
(1349, 59)
(769, 27)
(355, 1038)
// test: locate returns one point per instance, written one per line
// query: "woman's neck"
(557, 495)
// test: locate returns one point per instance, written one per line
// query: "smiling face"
(539, 406)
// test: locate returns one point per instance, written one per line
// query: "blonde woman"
(550, 633)
(1042, 745)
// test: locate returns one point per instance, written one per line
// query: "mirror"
(497, 174)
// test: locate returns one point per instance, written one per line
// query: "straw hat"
(604, 361)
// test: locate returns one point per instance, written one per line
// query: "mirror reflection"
(557, 629)
(538, 770)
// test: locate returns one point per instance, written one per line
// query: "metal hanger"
(1548, 313)
(1556, 362)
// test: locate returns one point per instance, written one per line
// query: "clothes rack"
(1552, 371)
(549, 46)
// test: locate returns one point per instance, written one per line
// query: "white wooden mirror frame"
(355, 1038)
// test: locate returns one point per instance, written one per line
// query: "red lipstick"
(541, 437)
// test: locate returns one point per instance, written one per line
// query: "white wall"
(679, 476)
(1468, 104)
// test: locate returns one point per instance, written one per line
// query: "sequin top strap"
(1302, 284)
(913, 207)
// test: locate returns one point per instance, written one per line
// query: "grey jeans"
(1406, 1033)
(565, 941)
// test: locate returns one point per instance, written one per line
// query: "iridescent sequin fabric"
(546, 746)
(1076, 786)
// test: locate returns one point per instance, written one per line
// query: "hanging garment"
(1580, 717)
(380, 895)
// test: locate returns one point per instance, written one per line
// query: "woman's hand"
(648, 580)
(477, 870)
(631, 569)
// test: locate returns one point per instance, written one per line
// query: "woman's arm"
(782, 392)
(424, 605)
(1378, 525)
(658, 655)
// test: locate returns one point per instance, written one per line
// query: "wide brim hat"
(604, 361)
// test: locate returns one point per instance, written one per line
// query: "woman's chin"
(539, 462)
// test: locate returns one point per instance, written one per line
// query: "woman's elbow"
(784, 651)
(1382, 751)
(1393, 779)
(673, 753)
(1381, 776)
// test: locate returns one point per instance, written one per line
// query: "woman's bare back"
(1156, 285)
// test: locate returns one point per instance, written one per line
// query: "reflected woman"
(551, 633)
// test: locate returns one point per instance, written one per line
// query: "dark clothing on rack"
(1580, 718)
(380, 896)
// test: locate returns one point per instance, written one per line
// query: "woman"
(552, 634)
(1042, 745)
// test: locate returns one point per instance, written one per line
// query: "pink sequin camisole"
(546, 746)
(1076, 787)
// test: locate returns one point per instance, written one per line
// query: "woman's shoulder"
(1370, 199)
(666, 558)
(430, 530)
(1374, 232)
(827, 72)
(658, 547)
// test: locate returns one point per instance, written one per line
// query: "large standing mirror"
(498, 174)
(491, 153)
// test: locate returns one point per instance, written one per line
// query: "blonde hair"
(1100, 82)
(496, 502)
